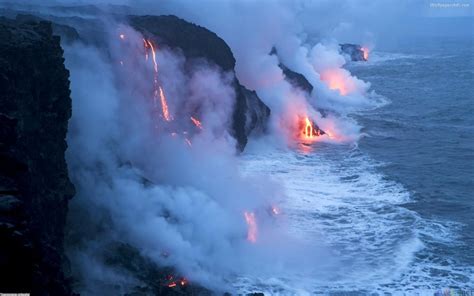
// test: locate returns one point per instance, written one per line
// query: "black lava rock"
(35, 106)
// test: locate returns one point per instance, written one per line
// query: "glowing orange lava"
(307, 130)
(152, 47)
(158, 90)
(365, 50)
(335, 80)
(252, 226)
(164, 105)
(196, 122)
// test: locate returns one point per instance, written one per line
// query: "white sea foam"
(336, 195)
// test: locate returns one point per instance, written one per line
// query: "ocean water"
(396, 209)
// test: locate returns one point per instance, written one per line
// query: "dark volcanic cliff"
(250, 113)
(354, 51)
(35, 106)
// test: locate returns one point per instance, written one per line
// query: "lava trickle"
(157, 90)
(196, 122)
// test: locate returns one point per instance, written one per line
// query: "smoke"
(169, 189)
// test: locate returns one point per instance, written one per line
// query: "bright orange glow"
(252, 226)
(365, 50)
(196, 122)
(307, 131)
(164, 105)
(335, 80)
(183, 282)
(157, 90)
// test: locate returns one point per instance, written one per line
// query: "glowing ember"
(252, 226)
(172, 283)
(365, 50)
(196, 122)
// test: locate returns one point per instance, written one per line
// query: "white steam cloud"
(169, 189)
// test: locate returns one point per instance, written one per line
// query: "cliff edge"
(35, 107)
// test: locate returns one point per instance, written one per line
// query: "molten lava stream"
(164, 105)
(307, 132)
(158, 90)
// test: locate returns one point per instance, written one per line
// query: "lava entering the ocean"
(365, 50)
(308, 130)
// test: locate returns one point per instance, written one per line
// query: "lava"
(335, 80)
(172, 283)
(196, 122)
(164, 105)
(158, 90)
(252, 226)
(307, 131)
(365, 51)
(149, 44)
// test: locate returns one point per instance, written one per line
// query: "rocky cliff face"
(354, 51)
(35, 106)
(250, 113)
